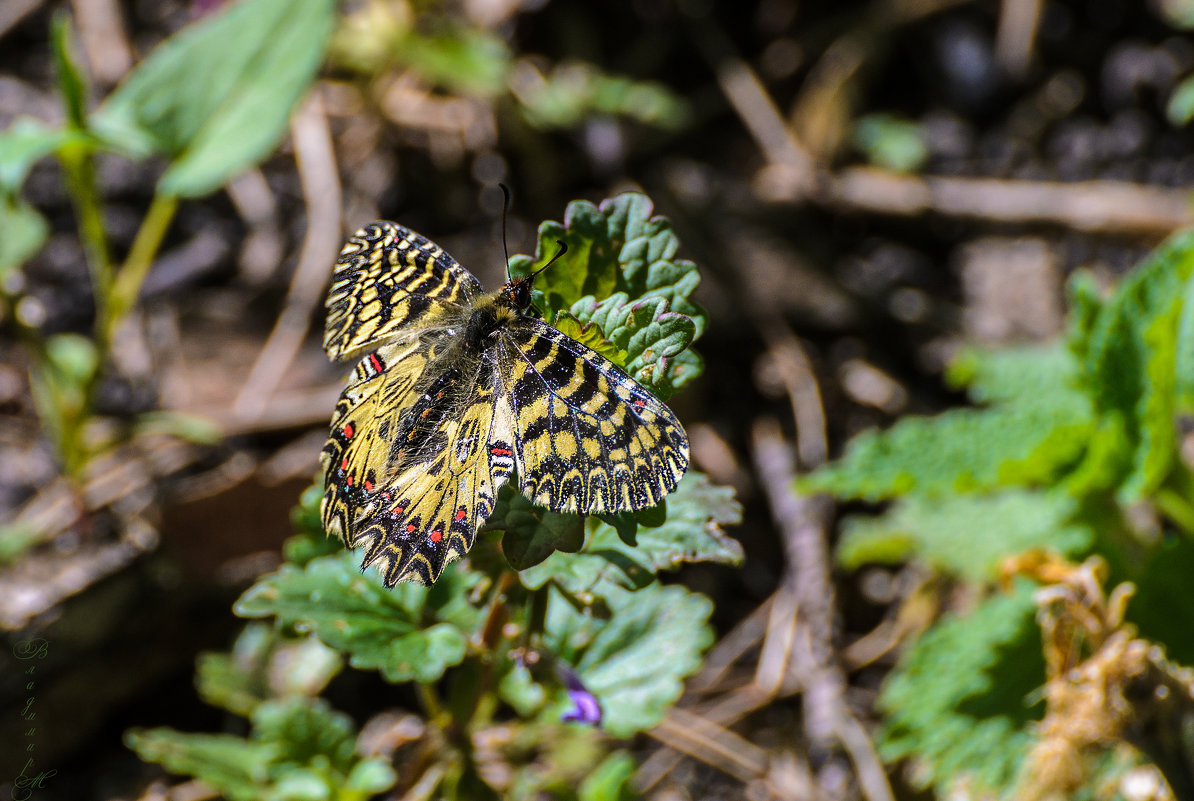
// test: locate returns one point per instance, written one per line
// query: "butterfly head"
(517, 291)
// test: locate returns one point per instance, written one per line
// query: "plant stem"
(429, 700)
(79, 167)
(126, 285)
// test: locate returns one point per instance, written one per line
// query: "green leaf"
(1036, 427)
(304, 730)
(1183, 358)
(23, 231)
(1180, 108)
(965, 535)
(591, 335)
(572, 93)
(409, 632)
(958, 700)
(693, 532)
(533, 533)
(1129, 365)
(26, 142)
(233, 767)
(216, 97)
(237, 681)
(463, 60)
(635, 662)
(891, 142)
(649, 335)
(611, 780)
(69, 77)
(617, 247)
(299, 748)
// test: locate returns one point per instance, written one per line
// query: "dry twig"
(316, 160)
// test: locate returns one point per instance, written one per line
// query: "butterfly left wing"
(588, 438)
(357, 451)
(447, 469)
(388, 277)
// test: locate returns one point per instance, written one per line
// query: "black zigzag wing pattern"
(388, 277)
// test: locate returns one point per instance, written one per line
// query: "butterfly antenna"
(505, 214)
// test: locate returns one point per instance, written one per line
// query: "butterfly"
(456, 389)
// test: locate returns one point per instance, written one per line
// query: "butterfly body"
(456, 389)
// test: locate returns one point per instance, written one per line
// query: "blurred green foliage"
(1068, 449)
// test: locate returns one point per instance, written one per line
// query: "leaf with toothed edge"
(410, 632)
(693, 532)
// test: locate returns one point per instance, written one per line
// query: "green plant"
(257, 59)
(554, 636)
(1073, 449)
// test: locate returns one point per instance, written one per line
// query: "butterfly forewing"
(388, 277)
(459, 391)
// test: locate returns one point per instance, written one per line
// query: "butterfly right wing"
(589, 439)
(388, 277)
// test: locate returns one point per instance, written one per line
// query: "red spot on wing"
(344, 463)
(460, 513)
(436, 535)
(639, 402)
(348, 431)
(376, 362)
(501, 451)
(410, 528)
(348, 480)
(368, 485)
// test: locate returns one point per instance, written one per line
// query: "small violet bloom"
(586, 708)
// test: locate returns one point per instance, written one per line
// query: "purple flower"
(586, 708)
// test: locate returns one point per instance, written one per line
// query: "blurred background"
(864, 185)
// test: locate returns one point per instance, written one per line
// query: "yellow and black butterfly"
(456, 388)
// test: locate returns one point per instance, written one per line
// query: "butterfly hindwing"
(446, 470)
(356, 457)
(588, 438)
(388, 277)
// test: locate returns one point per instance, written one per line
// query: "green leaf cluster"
(1064, 448)
(299, 749)
(621, 279)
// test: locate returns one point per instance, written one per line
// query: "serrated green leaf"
(591, 335)
(532, 533)
(647, 332)
(23, 231)
(1031, 373)
(693, 532)
(216, 97)
(958, 700)
(237, 769)
(965, 535)
(1129, 367)
(409, 632)
(617, 247)
(964, 450)
(304, 731)
(635, 662)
